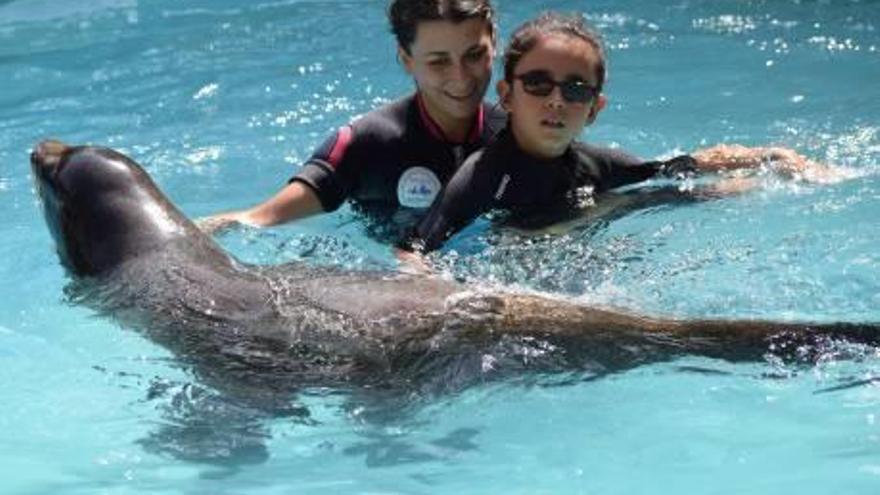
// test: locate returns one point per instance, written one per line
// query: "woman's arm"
(296, 200)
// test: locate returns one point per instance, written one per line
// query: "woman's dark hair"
(548, 23)
(405, 15)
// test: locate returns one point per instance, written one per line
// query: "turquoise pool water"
(221, 101)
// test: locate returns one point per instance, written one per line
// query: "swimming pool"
(221, 100)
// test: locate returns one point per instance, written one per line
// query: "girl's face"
(544, 126)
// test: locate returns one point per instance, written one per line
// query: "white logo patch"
(417, 188)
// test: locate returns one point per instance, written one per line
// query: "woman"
(397, 157)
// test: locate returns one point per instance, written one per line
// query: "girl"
(554, 70)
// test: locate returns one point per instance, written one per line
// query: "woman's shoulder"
(387, 122)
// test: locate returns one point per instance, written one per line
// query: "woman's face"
(544, 126)
(452, 66)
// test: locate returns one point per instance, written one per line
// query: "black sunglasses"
(541, 83)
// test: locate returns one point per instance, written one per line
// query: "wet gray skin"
(134, 256)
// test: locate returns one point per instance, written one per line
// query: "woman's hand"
(216, 224)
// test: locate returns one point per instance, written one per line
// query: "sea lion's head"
(100, 206)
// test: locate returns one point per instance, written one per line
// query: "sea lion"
(134, 255)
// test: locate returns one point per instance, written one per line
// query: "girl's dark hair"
(405, 15)
(548, 23)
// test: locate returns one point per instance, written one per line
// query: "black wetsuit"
(393, 158)
(502, 176)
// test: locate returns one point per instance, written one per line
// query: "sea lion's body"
(135, 256)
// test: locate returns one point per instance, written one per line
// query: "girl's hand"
(784, 161)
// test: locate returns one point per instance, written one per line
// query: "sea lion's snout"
(46, 156)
